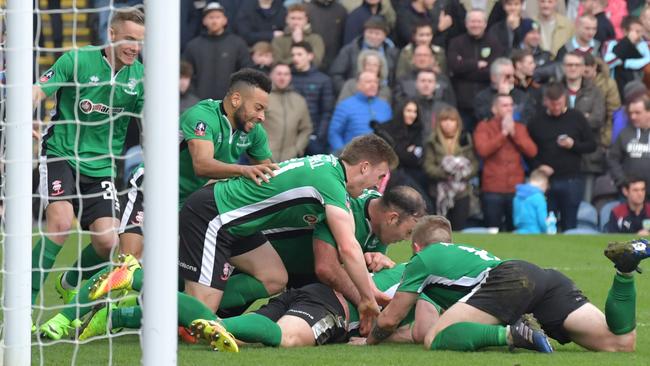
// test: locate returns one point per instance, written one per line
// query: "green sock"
(129, 317)
(190, 309)
(40, 263)
(470, 337)
(254, 328)
(137, 280)
(242, 289)
(78, 310)
(89, 258)
(620, 308)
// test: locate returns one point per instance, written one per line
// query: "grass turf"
(580, 257)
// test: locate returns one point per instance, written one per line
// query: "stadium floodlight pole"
(160, 261)
(18, 215)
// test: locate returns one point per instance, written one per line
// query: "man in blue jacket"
(353, 115)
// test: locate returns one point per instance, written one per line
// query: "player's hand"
(259, 172)
(368, 311)
(357, 341)
(377, 261)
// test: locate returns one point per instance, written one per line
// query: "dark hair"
(370, 148)
(575, 53)
(186, 69)
(303, 44)
(639, 98)
(432, 229)
(518, 55)
(279, 63)
(590, 60)
(131, 14)
(420, 23)
(250, 78)
(404, 199)
(631, 180)
(496, 97)
(554, 90)
(627, 22)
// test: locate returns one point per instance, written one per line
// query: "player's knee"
(276, 283)
(418, 333)
(104, 243)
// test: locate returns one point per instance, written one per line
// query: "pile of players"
(309, 230)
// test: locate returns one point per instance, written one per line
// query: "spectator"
(422, 36)
(262, 56)
(411, 13)
(327, 18)
(450, 163)
(469, 57)
(502, 81)
(316, 88)
(352, 117)
(215, 53)
(524, 64)
(354, 24)
(620, 120)
(261, 20)
(555, 28)
(531, 7)
(632, 216)
(287, 118)
(597, 72)
(587, 99)
(297, 30)
(501, 143)
(404, 134)
(509, 31)
(583, 41)
(449, 20)
(190, 26)
(544, 67)
(596, 8)
(187, 99)
(371, 61)
(406, 86)
(562, 136)
(374, 37)
(529, 206)
(644, 17)
(629, 55)
(485, 6)
(630, 153)
(430, 101)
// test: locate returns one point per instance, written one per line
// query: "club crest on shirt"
(199, 129)
(485, 52)
(130, 87)
(47, 76)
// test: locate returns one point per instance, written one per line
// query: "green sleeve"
(259, 149)
(194, 125)
(415, 275)
(61, 72)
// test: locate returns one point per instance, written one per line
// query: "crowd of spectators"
(474, 95)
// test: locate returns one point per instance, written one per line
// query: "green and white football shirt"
(94, 105)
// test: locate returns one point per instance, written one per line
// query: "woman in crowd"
(449, 163)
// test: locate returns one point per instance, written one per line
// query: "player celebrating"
(482, 292)
(89, 127)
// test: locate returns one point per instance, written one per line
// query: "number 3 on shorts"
(110, 192)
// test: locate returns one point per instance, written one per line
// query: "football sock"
(190, 309)
(242, 289)
(254, 328)
(89, 258)
(470, 337)
(130, 317)
(137, 280)
(620, 307)
(77, 311)
(43, 262)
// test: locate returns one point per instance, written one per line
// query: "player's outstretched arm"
(341, 225)
(205, 165)
(392, 315)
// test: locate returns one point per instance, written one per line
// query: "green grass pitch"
(580, 257)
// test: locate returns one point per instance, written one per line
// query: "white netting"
(60, 27)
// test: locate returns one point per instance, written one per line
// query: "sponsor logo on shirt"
(56, 188)
(637, 149)
(199, 129)
(87, 106)
(47, 76)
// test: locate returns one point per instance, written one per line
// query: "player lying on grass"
(391, 216)
(489, 301)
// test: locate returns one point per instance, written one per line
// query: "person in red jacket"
(501, 142)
